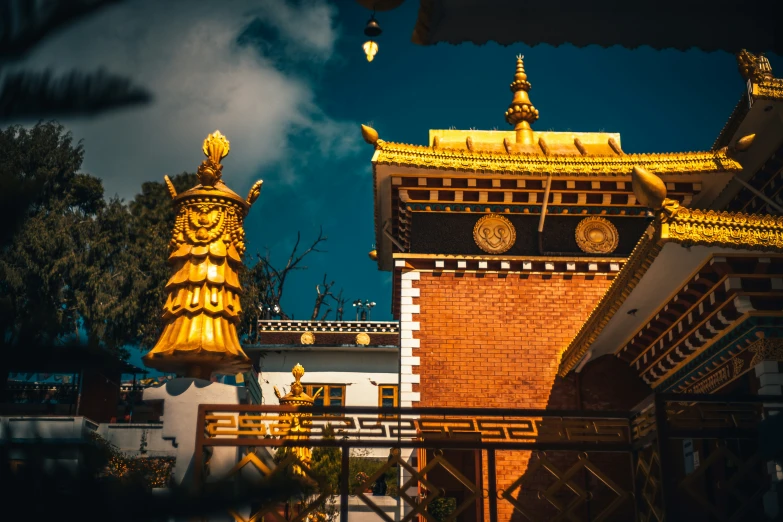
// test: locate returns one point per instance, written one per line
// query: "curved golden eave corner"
(202, 308)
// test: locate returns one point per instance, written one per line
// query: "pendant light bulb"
(370, 49)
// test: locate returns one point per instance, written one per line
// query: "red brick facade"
(495, 341)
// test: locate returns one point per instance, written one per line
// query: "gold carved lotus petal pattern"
(494, 234)
(725, 229)
(404, 155)
(596, 235)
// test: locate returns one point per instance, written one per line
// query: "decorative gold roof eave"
(768, 89)
(683, 226)
(418, 156)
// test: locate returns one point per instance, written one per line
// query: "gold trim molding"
(724, 229)
(419, 156)
(596, 235)
(674, 224)
(494, 234)
(307, 338)
(768, 89)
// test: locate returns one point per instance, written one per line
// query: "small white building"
(356, 363)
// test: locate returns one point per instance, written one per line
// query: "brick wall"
(491, 341)
(485, 340)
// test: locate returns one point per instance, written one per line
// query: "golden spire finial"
(298, 372)
(215, 148)
(297, 394)
(521, 112)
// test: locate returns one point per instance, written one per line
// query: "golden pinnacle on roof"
(754, 67)
(521, 112)
(649, 189)
(369, 134)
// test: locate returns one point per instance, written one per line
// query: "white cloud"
(185, 52)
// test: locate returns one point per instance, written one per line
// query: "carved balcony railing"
(503, 464)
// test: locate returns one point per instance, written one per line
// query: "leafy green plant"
(442, 507)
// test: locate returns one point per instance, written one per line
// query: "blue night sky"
(288, 84)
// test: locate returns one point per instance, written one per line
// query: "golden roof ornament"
(296, 425)
(521, 113)
(297, 396)
(202, 308)
(369, 134)
(596, 235)
(650, 191)
(754, 67)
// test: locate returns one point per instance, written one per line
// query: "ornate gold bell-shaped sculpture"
(202, 307)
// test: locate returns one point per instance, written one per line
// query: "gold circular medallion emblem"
(362, 339)
(307, 338)
(494, 234)
(596, 235)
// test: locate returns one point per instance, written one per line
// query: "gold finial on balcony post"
(297, 425)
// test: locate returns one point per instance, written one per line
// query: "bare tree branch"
(321, 296)
(340, 300)
(272, 294)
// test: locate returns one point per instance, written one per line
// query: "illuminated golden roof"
(673, 224)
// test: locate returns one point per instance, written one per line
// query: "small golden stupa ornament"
(202, 307)
(297, 424)
(521, 113)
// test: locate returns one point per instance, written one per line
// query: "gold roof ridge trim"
(413, 147)
(424, 157)
(684, 226)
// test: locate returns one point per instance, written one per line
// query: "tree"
(76, 267)
(340, 302)
(152, 218)
(54, 210)
(271, 292)
(321, 296)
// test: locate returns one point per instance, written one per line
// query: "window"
(331, 395)
(388, 396)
